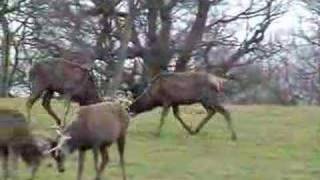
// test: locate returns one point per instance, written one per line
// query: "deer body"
(16, 140)
(174, 89)
(97, 127)
(71, 80)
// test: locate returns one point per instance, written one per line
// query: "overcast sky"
(282, 27)
(292, 21)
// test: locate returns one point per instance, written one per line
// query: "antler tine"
(62, 140)
(52, 150)
(56, 127)
(58, 131)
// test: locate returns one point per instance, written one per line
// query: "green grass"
(274, 142)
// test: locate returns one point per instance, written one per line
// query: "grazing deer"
(96, 127)
(65, 77)
(174, 89)
(16, 140)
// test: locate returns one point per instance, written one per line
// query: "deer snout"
(61, 170)
(132, 114)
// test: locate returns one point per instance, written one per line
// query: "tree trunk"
(194, 35)
(4, 88)
(122, 56)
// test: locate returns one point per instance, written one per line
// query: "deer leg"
(104, 161)
(210, 113)
(13, 157)
(33, 168)
(5, 167)
(80, 164)
(67, 105)
(176, 113)
(121, 146)
(30, 102)
(95, 158)
(227, 117)
(46, 104)
(164, 114)
(5, 163)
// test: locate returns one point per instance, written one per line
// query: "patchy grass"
(274, 142)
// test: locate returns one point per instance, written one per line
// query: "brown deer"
(17, 140)
(96, 127)
(174, 89)
(67, 78)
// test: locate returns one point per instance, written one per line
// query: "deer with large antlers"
(96, 127)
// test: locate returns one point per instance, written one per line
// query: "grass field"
(274, 142)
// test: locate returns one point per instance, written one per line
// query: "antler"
(63, 138)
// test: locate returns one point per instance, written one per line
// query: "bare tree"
(160, 33)
(308, 50)
(7, 42)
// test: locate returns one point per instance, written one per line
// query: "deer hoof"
(157, 134)
(234, 137)
(193, 132)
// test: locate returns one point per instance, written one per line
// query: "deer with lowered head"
(174, 89)
(17, 140)
(70, 79)
(96, 127)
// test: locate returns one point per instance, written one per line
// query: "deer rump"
(13, 127)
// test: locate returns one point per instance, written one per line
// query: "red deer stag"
(17, 140)
(69, 79)
(174, 89)
(96, 127)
